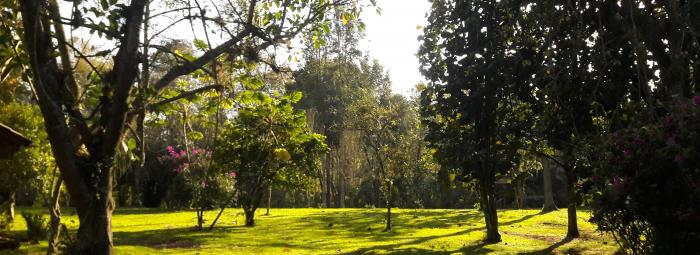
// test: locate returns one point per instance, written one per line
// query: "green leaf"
(200, 44)
(131, 144)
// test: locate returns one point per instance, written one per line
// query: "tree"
(268, 143)
(331, 79)
(547, 167)
(385, 126)
(476, 102)
(84, 140)
(29, 168)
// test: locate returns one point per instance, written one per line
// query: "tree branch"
(185, 94)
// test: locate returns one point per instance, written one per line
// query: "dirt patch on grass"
(179, 244)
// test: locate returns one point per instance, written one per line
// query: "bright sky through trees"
(392, 38)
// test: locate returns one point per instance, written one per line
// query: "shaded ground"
(344, 231)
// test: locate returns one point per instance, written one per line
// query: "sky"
(392, 38)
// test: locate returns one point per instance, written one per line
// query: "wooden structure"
(11, 141)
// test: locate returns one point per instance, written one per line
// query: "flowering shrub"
(207, 188)
(648, 185)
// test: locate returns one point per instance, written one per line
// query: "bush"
(5, 221)
(195, 184)
(647, 190)
(37, 226)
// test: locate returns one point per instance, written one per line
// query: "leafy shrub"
(37, 226)
(195, 185)
(5, 221)
(647, 190)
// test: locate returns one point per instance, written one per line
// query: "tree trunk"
(217, 217)
(249, 216)
(341, 187)
(269, 200)
(389, 204)
(519, 190)
(11, 206)
(444, 188)
(549, 204)
(95, 232)
(55, 221)
(200, 217)
(488, 202)
(572, 228)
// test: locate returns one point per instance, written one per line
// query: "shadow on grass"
(550, 250)
(155, 238)
(476, 249)
(145, 210)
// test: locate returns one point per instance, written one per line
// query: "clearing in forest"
(343, 231)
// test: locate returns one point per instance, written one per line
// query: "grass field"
(343, 231)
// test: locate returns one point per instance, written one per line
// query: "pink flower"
(696, 100)
(232, 174)
(170, 150)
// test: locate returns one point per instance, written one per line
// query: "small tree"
(205, 187)
(388, 126)
(30, 167)
(268, 143)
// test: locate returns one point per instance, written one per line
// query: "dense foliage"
(648, 186)
(475, 104)
(268, 143)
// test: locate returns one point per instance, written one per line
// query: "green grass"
(353, 231)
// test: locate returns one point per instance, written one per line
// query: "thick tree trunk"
(572, 228)
(249, 216)
(95, 232)
(547, 168)
(488, 202)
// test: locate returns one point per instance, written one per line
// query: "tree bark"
(269, 200)
(549, 204)
(444, 187)
(572, 226)
(11, 206)
(95, 232)
(249, 216)
(389, 204)
(488, 202)
(55, 228)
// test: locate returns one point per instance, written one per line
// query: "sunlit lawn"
(343, 231)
